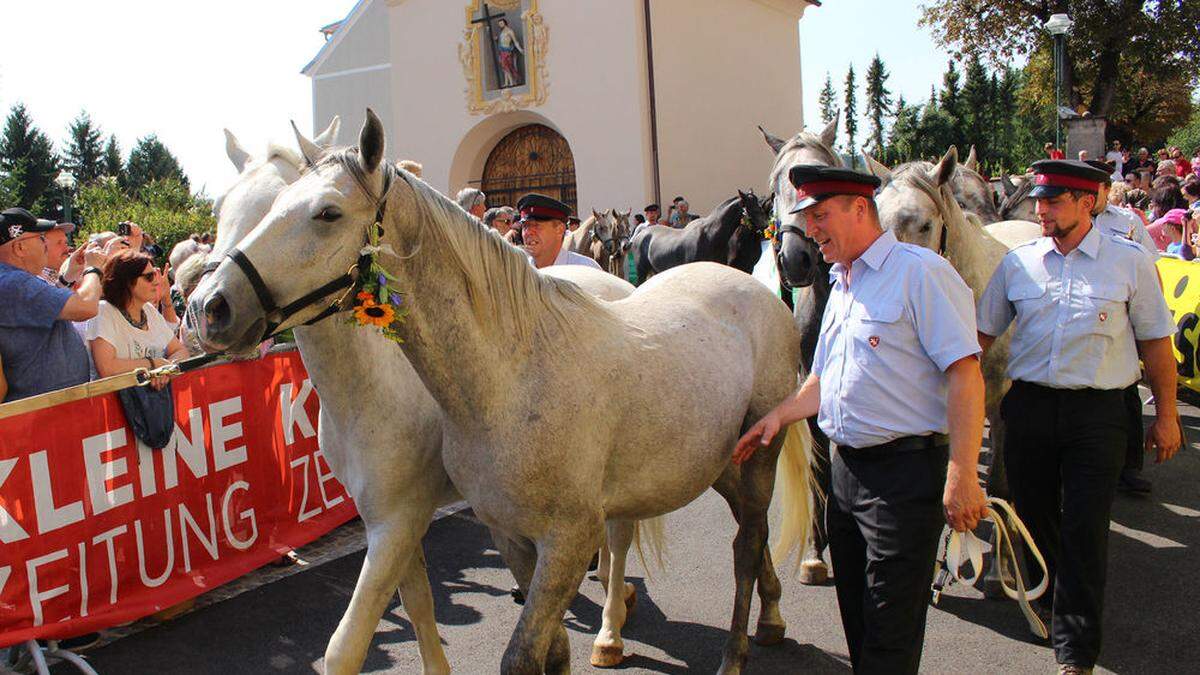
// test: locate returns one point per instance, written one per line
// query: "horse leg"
(539, 642)
(389, 546)
(608, 650)
(602, 564)
(417, 598)
(813, 570)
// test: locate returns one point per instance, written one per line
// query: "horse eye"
(329, 214)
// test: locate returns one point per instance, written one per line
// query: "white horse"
(390, 465)
(543, 441)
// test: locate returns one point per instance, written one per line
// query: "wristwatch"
(90, 270)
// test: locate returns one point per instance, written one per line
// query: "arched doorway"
(532, 158)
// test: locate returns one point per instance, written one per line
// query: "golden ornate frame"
(537, 43)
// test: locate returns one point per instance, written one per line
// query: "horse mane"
(802, 140)
(1019, 195)
(497, 274)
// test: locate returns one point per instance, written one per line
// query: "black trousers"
(1065, 449)
(1135, 450)
(884, 518)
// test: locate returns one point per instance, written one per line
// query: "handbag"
(151, 413)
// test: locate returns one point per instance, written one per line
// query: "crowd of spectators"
(1164, 191)
(70, 314)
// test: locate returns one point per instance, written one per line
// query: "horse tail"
(650, 536)
(796, 487)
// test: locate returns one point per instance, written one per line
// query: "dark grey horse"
(658, 248)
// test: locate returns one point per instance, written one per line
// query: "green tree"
(28, 161)
(936, 132)
(1187, 137)
(951, 90)
(1114, 50)
(149, 161)
(851, 108)
(163, 208)
(879, 101)
(974, 120)
(113, 166)
(85, 152)
(828, 100)
(903, 140)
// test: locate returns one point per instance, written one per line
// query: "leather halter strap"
(777, 248)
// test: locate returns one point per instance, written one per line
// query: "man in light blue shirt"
(896, 368)
(1086, 305)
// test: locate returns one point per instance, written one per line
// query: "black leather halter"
(276, 315)
(777, 247)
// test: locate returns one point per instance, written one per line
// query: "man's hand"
(75, 265)
(759, 435)
(1165, 437)
(964, 501)
(94, 256)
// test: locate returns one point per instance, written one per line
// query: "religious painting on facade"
(503, 55)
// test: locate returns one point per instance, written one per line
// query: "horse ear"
(768, 201)
(327, 138)
(309, 150)
(371, 142)
(1007, 184)
(877, 168)
(742, 195)
(944, 171)
(772, 140)
(595, 215)
(972, 162)
(233, 148)
(829, 133)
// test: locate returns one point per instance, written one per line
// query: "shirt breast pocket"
(877, 329)
(1104, 309)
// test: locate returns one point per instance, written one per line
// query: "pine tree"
(85, 153)
(149, 161)
(113, 166)
(879, 101)
(932, 96)
(949, 101)
(828, 100)
(851, 108)
(28, 160)
(902, 141)
(974, 102)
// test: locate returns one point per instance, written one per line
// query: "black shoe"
(1132, 482)
(517, 596)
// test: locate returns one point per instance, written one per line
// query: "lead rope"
(961, 547)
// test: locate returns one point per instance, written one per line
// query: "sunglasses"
(151, 275)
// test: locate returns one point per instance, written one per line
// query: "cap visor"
(805, 203)
(43, 225)
(1046, 191)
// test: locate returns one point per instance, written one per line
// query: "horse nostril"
(216, 312)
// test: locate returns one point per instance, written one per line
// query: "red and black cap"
(540, 207)
(1052, 177)
(815, 183)
(17, 221)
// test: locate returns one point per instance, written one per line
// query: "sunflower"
(371, 314)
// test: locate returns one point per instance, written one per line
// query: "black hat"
(815, 183)
(1052, 177)
(540, 207)
(1104, 166)
(652, 207)
(17, 221)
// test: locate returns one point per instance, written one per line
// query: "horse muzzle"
(222, 321)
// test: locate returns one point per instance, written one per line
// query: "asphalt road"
(682, 616)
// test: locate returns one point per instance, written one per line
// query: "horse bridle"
(276, 316)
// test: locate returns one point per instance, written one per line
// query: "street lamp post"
(66, 182)
(1058, 26)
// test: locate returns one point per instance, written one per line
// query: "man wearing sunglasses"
(41, 351)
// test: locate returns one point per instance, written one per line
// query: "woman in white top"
(129, 333)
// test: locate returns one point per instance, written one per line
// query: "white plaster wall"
(597, 98)
(723, 68)
(349, 80)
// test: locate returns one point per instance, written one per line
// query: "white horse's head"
(312, 229)
(912, 202)
(799, 260)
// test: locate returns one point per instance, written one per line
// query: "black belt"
(902, 444)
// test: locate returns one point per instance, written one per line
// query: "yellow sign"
(1181, 286)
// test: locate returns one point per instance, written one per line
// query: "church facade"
(600, 103)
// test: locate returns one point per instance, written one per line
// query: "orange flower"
(371, 314)
(365, 298)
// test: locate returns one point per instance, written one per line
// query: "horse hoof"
(607, 656)
(814, 573)
(630, 599)
(769, 634)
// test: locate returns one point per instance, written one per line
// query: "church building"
(600, 103)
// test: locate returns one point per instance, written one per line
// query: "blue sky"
(185, 70)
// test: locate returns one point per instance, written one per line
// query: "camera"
(123, 229)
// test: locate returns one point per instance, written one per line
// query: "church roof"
(334, 33)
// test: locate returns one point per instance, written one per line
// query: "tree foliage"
(151, 161)
(28, 162)
(114, 166)
(879, 101)
(851, 109)
(1119, 55)
(828, 100)
(85, 153)
(163, 208)
(1187, 137)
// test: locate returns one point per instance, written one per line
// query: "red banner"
(96, 529)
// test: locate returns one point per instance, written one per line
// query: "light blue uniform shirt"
(1125, 223)
(887, 337)
(1078, 315)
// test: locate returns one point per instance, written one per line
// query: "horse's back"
(595, 282)
(1013, 233)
